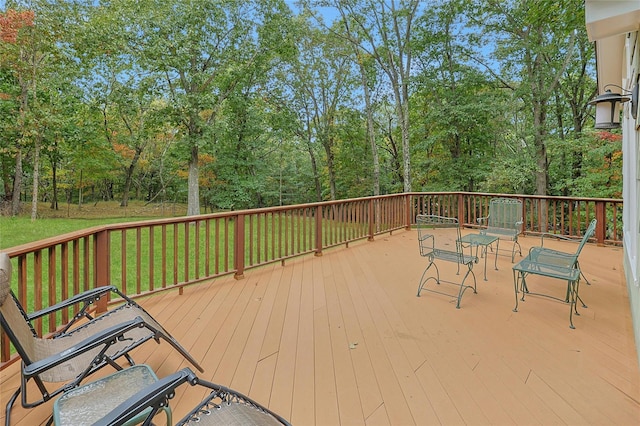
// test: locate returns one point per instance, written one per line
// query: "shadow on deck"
(343, 339)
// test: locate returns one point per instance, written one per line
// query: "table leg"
(515, 288)
(483, 251)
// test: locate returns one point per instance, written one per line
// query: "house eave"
(608, 23)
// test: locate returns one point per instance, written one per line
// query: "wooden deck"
(343, 339)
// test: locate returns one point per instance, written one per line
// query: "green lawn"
(19, 230)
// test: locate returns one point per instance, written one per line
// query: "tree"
(572, 110)
(386, 34)
(344, 30)
(323, 82)
(201, 49)
(460, 110)
(535, 40)
(9, 109)
(40, 64)
(12, 22)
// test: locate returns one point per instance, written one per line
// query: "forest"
(233, 104)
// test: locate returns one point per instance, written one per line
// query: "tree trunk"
(402, 108)
(371, 136)
(80, 192)
(542, 163)
(314, 168)
(406, 148)
(17, 185)
(129, 176)
(193, 204)
(54, 184)
(36, 178)
(328, 145)
(6, 179)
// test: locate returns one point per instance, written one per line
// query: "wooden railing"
(145, 257)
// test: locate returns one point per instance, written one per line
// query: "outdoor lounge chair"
(222, 406)
(81, 347)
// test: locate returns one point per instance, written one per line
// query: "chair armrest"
(104, 338)
(557, 237)
(480, 220)
(155, 395)
(86, 297)
(423, 244)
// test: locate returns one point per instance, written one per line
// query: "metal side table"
(484, 241)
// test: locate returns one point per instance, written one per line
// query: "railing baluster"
(274, 234)
(51, 268)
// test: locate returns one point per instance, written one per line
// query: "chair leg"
(129, 360)
(464, 287)
(513, 250)
(573, 303)
(578, 296)
(424, 280)
(582, 273)
(7, 419)
(516, 280)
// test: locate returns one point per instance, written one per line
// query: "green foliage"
(596, 166)
(272, 104)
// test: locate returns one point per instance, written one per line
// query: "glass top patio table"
(484, 241)
(88, 403)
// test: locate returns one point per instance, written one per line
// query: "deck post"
(238, 244)
(602, 222)
(318, 230)
(409, 214)
(372, 218)
(101, 265)
(461, 220)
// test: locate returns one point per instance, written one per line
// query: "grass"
(21, 229)
(18, 230)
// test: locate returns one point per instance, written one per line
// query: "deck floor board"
(342, 339)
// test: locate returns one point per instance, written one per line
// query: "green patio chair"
(556, 264)
(504, 221)
(436, 250)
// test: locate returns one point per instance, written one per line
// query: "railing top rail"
(75, 235)
(71, 236)
(529, 196)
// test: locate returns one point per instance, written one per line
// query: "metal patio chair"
(504, 221)
(79, 348)
(553, 264)
(436, 250)
(222, 406)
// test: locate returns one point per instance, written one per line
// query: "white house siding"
(631, 183)
(614, 27)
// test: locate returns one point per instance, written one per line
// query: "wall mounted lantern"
(607, 109)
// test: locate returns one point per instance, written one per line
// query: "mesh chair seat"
(228, 412)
